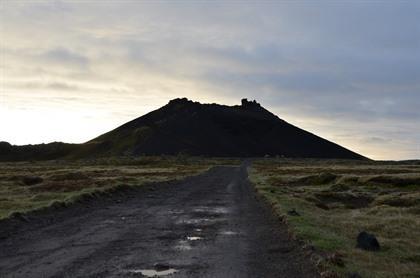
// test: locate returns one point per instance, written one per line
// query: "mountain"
(186, 127)
(49, 151)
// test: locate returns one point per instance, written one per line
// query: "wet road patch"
(228, 233)
(212, 210)
(153, 273)
(193, 238)
(157, 271)
(183, 245)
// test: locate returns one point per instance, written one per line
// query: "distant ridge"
(186, 127)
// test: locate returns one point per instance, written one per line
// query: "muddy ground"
(210, 225)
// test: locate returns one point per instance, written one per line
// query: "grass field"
(335, 200)
(25, 186)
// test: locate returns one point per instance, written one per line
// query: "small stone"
(293, 212)
(32, 180)
(367, 242)
(322, 206)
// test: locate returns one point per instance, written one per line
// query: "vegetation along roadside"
(327, 203)
(27, 186)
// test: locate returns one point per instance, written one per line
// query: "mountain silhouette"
(191, 128)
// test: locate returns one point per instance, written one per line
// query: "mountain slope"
(183, 126)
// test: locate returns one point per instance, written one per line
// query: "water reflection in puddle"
(192, 238)
(229, 233)
(218, 210)
(154, 273)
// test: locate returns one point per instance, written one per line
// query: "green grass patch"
(338, 199)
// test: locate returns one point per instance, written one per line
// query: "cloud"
(64, 56)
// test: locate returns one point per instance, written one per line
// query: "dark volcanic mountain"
(186, 127)
(192, 128)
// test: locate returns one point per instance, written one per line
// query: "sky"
(348, 71)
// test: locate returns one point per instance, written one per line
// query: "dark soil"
(349, 199)
(211, 225)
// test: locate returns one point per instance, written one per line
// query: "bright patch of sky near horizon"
(347, 71)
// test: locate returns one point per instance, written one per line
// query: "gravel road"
(210, 225)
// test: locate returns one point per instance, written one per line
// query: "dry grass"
(338, 199)
(26, 186)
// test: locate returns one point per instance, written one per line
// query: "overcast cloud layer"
(347, 71)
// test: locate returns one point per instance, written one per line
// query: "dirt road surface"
(210, 225)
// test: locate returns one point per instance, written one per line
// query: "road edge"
(315, 257)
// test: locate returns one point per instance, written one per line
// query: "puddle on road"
(192, 238)
(204, 215)
(208, 209)
(158, 270)
(154, 273)
(228, 233)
